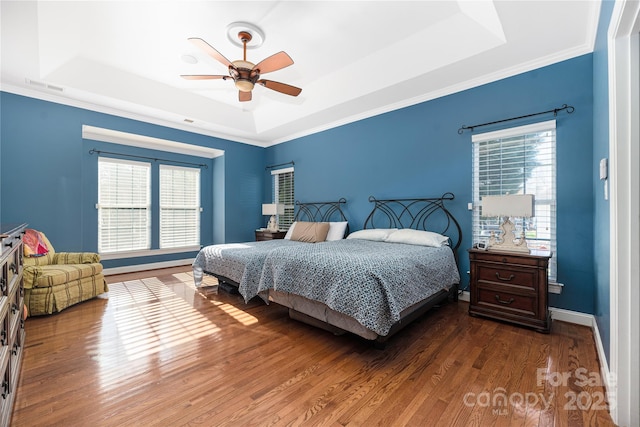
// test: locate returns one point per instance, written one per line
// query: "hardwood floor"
(157, 351)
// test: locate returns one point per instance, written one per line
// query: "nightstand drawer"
(508, 302)
(504, 259)
(526, 278)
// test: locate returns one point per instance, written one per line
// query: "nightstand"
(269, 235)
(512, 287)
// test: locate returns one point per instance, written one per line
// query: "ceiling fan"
(244, 73)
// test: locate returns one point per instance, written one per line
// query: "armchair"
(54, 280)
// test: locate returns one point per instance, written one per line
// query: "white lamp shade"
(272, 209)
(511, 205)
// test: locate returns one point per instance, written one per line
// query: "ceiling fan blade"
(202, 77)
(244, 96)
(280, 87)
(273, 63)
(209, 50)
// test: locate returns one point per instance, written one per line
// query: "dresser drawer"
(15, 313)
(4, 322)
(10, 272)
(5, 377)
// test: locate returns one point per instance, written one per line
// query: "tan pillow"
(310, 232)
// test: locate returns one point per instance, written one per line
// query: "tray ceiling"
(352, 59)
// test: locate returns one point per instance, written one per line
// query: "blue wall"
(417, 152)
(412, 152)
(49, 179)
(601, 245)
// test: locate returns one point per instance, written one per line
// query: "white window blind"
(124, 198)
(179, 206)
(283, 193)
(519, 160)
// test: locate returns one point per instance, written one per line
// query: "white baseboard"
(604, 366)
(144, 267)
(572, 317)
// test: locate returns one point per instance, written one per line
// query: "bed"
(238, 266)
(372, 286)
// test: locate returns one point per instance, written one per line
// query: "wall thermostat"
(603, 169)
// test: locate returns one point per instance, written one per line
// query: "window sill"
(555, 288)
(148, 252)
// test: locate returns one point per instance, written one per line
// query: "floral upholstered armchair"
(54, 280)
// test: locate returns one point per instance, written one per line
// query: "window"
(124, 205)
(283, 193)
(519, 160)
(179, 206)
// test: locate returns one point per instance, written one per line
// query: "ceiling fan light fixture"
(244, 85)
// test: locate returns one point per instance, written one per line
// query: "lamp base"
(509, 248)
(507, 241)
(273, 224)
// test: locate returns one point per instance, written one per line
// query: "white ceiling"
(352, 59)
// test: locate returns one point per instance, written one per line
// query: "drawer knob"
(505, 279)
(503, 301)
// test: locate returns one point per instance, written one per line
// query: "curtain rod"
(555, 112)
(281, 164)
(93, 150)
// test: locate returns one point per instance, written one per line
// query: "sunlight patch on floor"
(238, 314)
(150, 318)
(241, 316)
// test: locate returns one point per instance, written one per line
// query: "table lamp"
(516, 205)
(272, 209)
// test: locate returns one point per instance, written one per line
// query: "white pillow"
(375, 234)
(417, 237)
(290, 231)
(336, 230)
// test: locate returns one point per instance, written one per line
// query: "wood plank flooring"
(155, 351)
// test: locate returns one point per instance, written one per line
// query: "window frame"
(163, 242)
(104, 205)
(278, 175)
(526, 134)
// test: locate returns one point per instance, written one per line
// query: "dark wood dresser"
(269, 235)
(11, 320)
(512, 287)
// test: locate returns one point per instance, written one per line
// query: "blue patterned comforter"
(373, 282)
(240, 262)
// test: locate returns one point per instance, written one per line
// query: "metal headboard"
(321, 211)
(428, 214)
